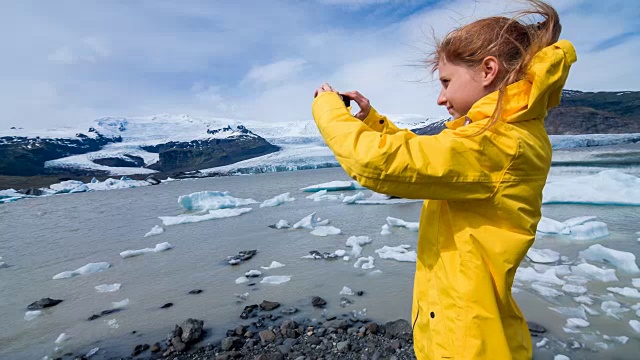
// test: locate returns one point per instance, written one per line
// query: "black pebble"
(360, 293)
(167, 305)
(133, 332)
(194, 292)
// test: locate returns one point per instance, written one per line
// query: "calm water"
(44, 236)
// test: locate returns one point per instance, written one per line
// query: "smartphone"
(345, 100)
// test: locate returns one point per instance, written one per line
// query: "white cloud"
(276, 72)
(62, 55)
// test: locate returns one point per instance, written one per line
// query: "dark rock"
(125, 161)
(155, 348)
(398, 329)
(395, 344)
(222, 357)
(283, 349)
(191, 330)
(43, 303)
(329, 256)
(32, 191)
(93, 317)
(360, 293)
(321, 331)
(195, 292)
(536, 329)
(314, 340)
(152, 180)
(318, 301)
(269, 305)
(267, 336)
(336, 324)
(231, 343)
(289, 342)
(110, 311)
(240, 330)
(249, 311)
(139, 349)
(167, 305)
(177, 331)
(289, 311)
(343, 345)
(315, 254)
(372, 328)
(242, 256)
(272, 356)
(178, 345)
(289, 324)
(249, 334)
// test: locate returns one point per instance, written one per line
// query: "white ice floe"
(356, 243)
(212, 200)
(84, 270)
(545, 291)
(576, 279)
(593, 272)
(622, 260)
(242, 280)
(92, 352)
(583, 299)
(385, 230)
(274, 265)
(589, 310)
(578, 228)
(275, 280)
(282, 224)
(323, 196)
(340, 252)
(589, 231)
(253, 273)
(529, 274)
(542, 343)
(543, 256)
(159, 248)
(310, 222)
(346, 291)
(353, 198)
(66, 186)
(120, 304)
(399, 253)
(550, 226)
(277, 200)
(337, 185)
(625, 291)
(212, 215)
(571, 312)
(635, 325)
(577, 322)
(62, 338)
(156, 230)
(30, 315)
(394, 222)
(365, 263)
(574, 289)
(609, 187)
(561, 357)
(619, 339)
(383, 199)
(104, 288)
(325, 231)
(635, 282)
(613, 308)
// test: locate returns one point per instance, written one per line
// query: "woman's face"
(461, 87)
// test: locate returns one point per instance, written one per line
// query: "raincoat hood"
(533, 96)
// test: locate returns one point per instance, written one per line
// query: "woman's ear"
(490, 68)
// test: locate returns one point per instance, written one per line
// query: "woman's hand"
(363, 102)
(324, 88)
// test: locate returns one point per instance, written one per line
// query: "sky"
(70, 62)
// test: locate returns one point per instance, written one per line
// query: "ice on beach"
(212, 215)
(394, 222)
(30, 315)
(529, 274)
(310, 222)
(574, 289)
(593, 272)
(625, 291)
(120, 304)
(353, 198)
(583, 299)
(385, 230)
(635, 325)
(622, 260)
(609, 187)
(399, 253)
(156, 230)
(577, 322)
(62, 338)
(365, 263)
(242, 280)
(159, 248)
(212, 200)
(356, 243)
(84, 270)
(337, 185)
(571, 312)
(277, 200)
(325, 231)
(274, 265)
(276, 279)
(346, 291)
(105, 288)
(613, 308)
(545, 290)
(543, 256)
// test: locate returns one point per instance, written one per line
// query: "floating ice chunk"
(340, 252)
(277, 200)
(577, 322)
(113, 184)
(578, 220)
(113, 323)
(606, 188)
(30, 315)
(92, 352)
(276, 280)
(574, 289)
(120, 304)
(635, 325)
(156, 230)
(571, 331)
(578, 228)
(317, 195)
(85, 270)
(589, 310)
(550, 226)
(545, 290)
(346, 291)
(619, 339)
(353, 198)
(66, 186)
(325, 231)
(561, 357)
(612, 308)
(635, 282)
(571, 312)
(212, 215)
(242, 280)
(253, 273)
(385, 230)
(399, 253)
(530, 274)
(365, 263)
(310, 222)
(107, 288)
(356, 242)
(334, 186)
(274, 265)
(413, 226)
(543, 256)
(593, 272)
(583, 299)
(626, 291)
(212, 200)
(282, 224)
(62, 338)
(542, 343)
(576, 279)
(622, 260)
(589, 231)
(159, 248)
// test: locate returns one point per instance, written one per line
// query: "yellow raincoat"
(484, 203)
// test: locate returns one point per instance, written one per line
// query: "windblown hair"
(513, 41)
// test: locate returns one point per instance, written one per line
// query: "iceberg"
(323, 196)
(281, 224)
(242, 280)
(619, 339)
(156, 230)
(310, 222)
(635, 282)
(66, 186)
(84, 270)
(385, 230)
(543, 256)
(571, 312)
(545, 290)
(393, 222)
(622, 260)
(550, 226)
(114, 184)
(325, 231)
(277, 200)
(61, 338)
(530, 274)
(635, 325)
(353, 198)
(159, 248)
(275, 280)
(107, 288)
(399, 253)
(609, 187)
(334, 186)
(253, 273)
(583, 299)
(346, 291)
(30, 315)
(589, 231)
(212, 200)
(577, 322)
(574, 289)
(365, 263)
(578, 228)
(356, 243)
(626, 291)
(593, 272)
(212, 215)
(120, 304)
(612, 308)
(274, 265)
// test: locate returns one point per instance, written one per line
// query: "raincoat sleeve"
(380, 123)
(447, 166)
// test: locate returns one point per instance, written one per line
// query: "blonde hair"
(510, 40)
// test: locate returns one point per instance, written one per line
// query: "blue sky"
(69, 62)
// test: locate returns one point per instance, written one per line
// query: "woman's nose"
(442, 99)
